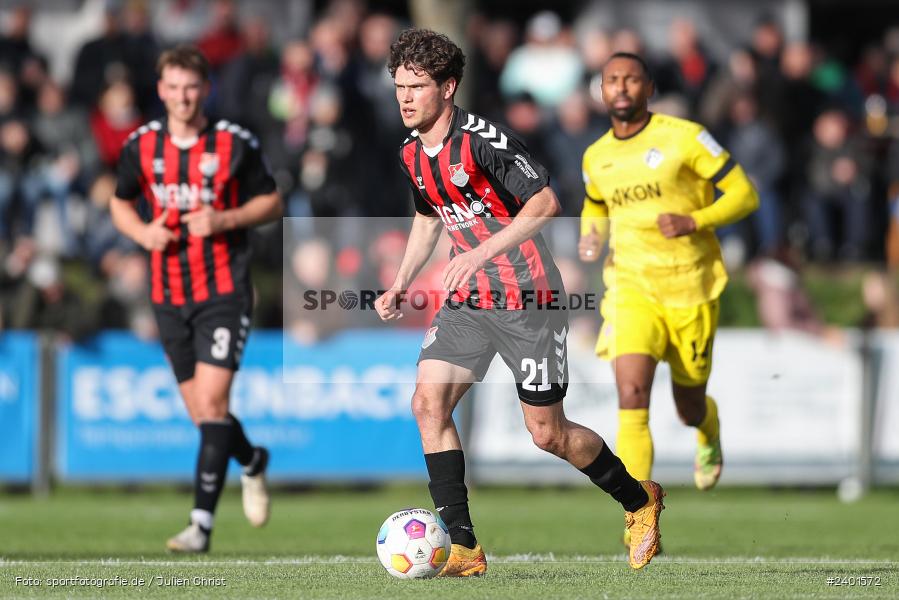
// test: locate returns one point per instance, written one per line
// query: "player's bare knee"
(429, 409)
(209, 407)
(633, 394)
(691, 416)
(690, 404)
(548, 438)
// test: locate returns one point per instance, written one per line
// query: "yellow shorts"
(681, 336)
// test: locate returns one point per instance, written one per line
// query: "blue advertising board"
(19, 401)
(335, 410)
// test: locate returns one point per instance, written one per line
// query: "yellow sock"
(634, 444)
(707, 431)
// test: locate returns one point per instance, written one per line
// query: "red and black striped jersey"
(223, 168)
(476, 181)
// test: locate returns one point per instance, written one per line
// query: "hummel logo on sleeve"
(477, 125)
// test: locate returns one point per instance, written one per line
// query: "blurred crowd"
(819, 137)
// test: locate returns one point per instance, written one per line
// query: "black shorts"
(531, 342)
(213, 332)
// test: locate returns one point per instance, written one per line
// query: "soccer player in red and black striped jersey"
(476, 180)
(201, 185)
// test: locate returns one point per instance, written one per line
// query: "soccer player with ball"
(477, 181)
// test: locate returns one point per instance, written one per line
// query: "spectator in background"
(792, 107)
(628, 40)
(311, 269)
(15, 47)
(142, 50)
(372, 79)
(42, 301)
(544, 66)
(524, 117)
(327, 178)
(767, 45)
(781, 300)
(347, 17)
(10, 175)
(288, 101)
(17, 150)
(374, 88)
(892, 188)
(180, 21)
(834, 80)
(758, 149)
(892, 87)
(10, 107)
(872, 72)
(222, 41)
(689, 69)
(119, 265)
(573, 130)
(798, 101)
(126, 49)
(245, 80)
(493, 43)
(330, 40)
(838, 189)
(115, 117)
(68, 157)
(739, 78)
(14, 264)
(881, 301)
(105, 241)
(595, 46)
(19, 57)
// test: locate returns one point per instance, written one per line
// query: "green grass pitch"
(541, 543)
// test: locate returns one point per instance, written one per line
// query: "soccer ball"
(413, 544)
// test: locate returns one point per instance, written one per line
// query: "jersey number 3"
(221, 341)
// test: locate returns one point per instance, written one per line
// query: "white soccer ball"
(413, 544)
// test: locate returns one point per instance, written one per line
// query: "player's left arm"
(508, 161)
(264, 203)
(737, 196)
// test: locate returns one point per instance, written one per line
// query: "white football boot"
(192, 540)
(256, 501)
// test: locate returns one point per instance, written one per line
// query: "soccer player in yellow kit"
(657, 187)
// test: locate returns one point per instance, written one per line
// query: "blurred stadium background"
(804, 93)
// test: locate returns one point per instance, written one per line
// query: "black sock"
(212, 463)
(447, 486)
(608, 472)
(241, 448)
(259, 462)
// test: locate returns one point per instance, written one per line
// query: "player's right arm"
(151, 236)
(423, 238)
(594, 219)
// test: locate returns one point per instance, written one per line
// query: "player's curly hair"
(428, 51)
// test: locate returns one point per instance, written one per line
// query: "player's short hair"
(428, 51)
(634, 57)
(186, 57)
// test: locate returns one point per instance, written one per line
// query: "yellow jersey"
(670, 166)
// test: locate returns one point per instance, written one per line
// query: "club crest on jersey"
(158, 166)
(421, 183)
(209, 164)
(653, 158)
(458, 175)
(430, 337)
